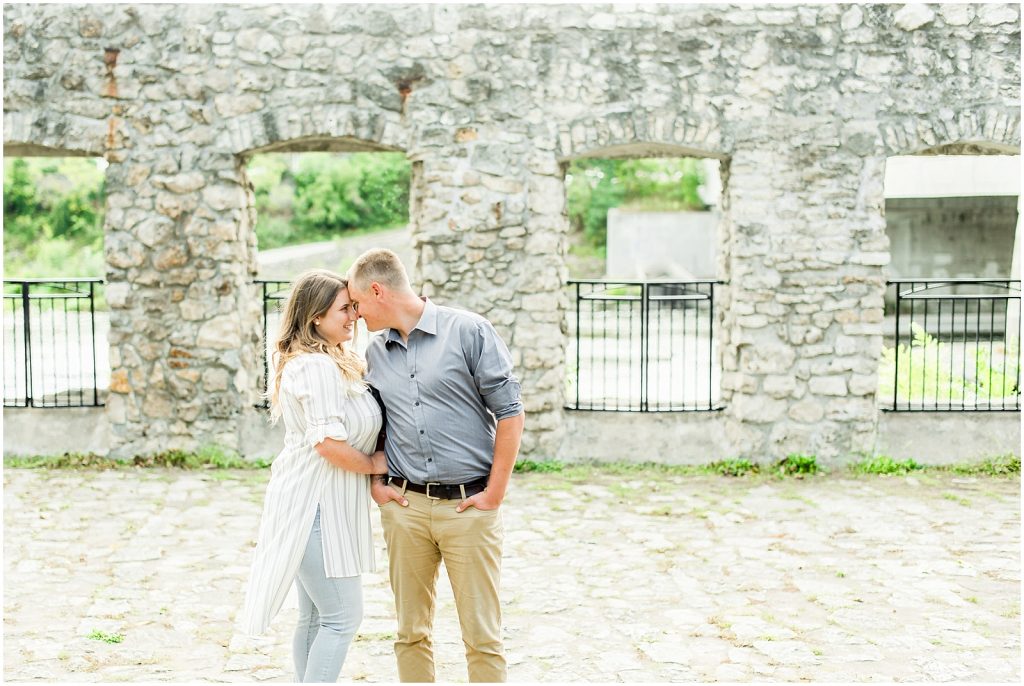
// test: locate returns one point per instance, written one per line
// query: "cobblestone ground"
(606, 578)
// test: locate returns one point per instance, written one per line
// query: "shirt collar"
(426, 324)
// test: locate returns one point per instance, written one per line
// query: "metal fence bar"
(928, 346)
(272, 292)
(658, 363)
(45, 365)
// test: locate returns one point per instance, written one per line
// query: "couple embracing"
(440, 382)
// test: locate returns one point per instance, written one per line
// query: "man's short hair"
(380, 265)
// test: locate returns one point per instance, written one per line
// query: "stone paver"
(608, 578)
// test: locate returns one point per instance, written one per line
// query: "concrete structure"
(801, 104)
(695, 438)
(662, 245)
(949, 215)
(951, 237)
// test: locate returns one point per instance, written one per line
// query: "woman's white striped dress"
(316, 402)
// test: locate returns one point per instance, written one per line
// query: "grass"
(883, 464)
(376, 636)
(215, 459)
(210, 457)
(737, 467)
(798, 465)
(998, 465)
(98, 635)
(541, 466)
(957, 499)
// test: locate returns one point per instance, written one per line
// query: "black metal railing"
(956, 346)
(50, 356)
(643, 346)
(273, 294)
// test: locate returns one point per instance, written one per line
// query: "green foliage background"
(594, 186)
(53, 217)
(54, 207)
(320, 196)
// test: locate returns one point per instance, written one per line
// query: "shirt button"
(412, 376)
(417, 403)
(421, 430)
(430, 459)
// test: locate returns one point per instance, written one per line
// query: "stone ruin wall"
(802, 104)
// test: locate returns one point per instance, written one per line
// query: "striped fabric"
(316, 403)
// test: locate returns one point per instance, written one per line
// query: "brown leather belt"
(436, 491)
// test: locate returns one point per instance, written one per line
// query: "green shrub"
(883, 464)
(1000, 465)
(334, 194)
(542, 466)
(208, 457)
(594, 186)
(798, 464)
(53, 217)
(737, 467)
(991, 375)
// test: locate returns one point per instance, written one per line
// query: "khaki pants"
(419, 537)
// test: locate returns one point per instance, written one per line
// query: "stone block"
(850, 409)
(779, 386)
(913, 16)
(807, 411)
(863, 384)
(224, 197)
(767, 358)
(828, 385)
(215, 379)
(220, 333)
(119, 381)
(757, 409)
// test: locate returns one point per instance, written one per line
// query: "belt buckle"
(432, 497)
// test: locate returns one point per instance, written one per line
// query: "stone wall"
(801, 104)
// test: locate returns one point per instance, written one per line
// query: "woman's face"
(335, 325)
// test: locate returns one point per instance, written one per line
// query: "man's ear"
(376, 288)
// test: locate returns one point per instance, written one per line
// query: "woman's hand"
(342, 455)
(380, 462)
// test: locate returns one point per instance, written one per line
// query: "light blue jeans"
(330, 610)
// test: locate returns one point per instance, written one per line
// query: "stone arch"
(642, 134)
(620, 135)
(44, 133)
(987, 131)
(331, 128)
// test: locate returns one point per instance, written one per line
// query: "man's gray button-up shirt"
(444, 391)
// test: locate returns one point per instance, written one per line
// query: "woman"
(316, 515)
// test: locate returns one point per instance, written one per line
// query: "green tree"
(594, 186)
(53, 217)
(317, 196)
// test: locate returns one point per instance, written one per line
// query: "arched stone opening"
(954, 230)
(271, 280)
(55, 320)
(43, 133)
(645, 209)
(640, 135)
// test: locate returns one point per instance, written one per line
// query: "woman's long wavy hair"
(312, 295)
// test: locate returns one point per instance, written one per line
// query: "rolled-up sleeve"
(317, 384)
(492, 372)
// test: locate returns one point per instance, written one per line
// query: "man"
(454, 420)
